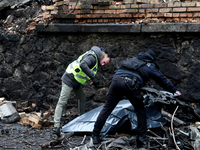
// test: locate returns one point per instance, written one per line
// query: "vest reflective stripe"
(74, 68)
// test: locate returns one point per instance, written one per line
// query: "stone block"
(189, 4)
(142, 1)
(7, 109)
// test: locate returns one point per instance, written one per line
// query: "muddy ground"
(16, 136)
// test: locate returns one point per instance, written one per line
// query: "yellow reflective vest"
(74, 68)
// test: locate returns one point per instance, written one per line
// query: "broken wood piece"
(36, 119)
(25, 121)
(22, 114)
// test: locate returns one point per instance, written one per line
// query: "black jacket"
(146, 72)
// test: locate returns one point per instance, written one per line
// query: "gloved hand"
(95, 82)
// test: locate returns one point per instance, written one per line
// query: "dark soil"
(16, 136)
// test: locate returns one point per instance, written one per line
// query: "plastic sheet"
(122, 113)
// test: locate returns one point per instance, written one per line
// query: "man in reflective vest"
(77, 73)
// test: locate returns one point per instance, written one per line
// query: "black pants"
(117, 90)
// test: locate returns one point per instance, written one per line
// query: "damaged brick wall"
(123, 11)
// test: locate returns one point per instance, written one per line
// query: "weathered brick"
(183, 19)
(111, 20)
(76, 11)
(148, 15)
(183, 14)
(103, 7)
(141, 15)
(98, 11)
(117, 20)
(89, 20)
(94, 20)
(160, 14)
(128, 1)
(116, 3)
(123, 6)
(168, 19)
(190, 14)
(76, 20)
(179, 9)
(161, 19)
(100, 20)
(125, 15)
(110, 11)
(189, 19)
(142, 1)
(120, 11)
(175, 15)
(152, 10)
(197, 4)
(167, 14)
(176, 4)
(165, 10)
(135, 15)
(176, 19)
(147, 5)
(141, 10)
(86, 11)
(188, 4)
(105, 20)
(134, 6)
(197, 19)
(160, 5)
(196, 15)
(191, 9)
(115, 7)
(83, 21)
(130, 10)
(128, 6)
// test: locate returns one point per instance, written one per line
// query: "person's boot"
(56, 130)
(96, 138)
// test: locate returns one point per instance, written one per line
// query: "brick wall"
(126, 11)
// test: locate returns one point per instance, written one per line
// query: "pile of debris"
(11, 111)
(172, 124)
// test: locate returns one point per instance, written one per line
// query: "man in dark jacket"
(132, 74)
(77, 73)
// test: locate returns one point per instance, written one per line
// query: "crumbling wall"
(122, 11)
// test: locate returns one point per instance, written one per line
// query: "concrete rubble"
(9, 114)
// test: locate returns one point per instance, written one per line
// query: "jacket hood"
(145, 57)
(98, 52)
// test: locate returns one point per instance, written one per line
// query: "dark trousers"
(117, 90)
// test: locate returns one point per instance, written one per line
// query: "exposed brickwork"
(126, 11)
